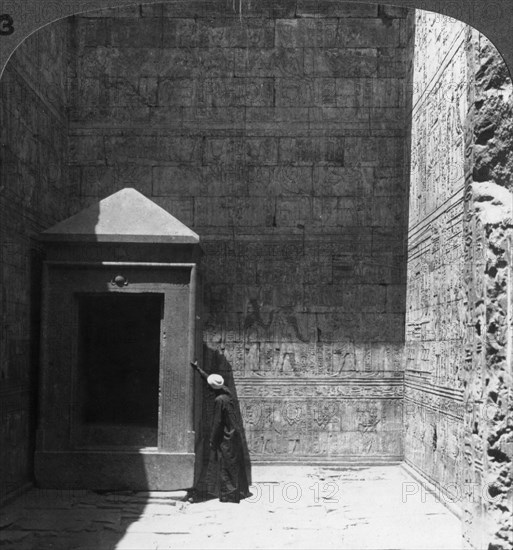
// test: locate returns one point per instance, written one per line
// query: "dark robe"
(227, 473)
(226, 441)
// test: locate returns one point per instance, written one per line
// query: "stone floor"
(291, 507)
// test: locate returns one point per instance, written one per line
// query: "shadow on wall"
(207, 467)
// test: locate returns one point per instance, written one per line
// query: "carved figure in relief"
(324, 413)
(287, 363)
(393, 358)
(267, 445)
(344, 358)
(270, 418)
(293, 413)
(318, 443)
(368, 419)
(254, 325)
(293, 445)
(254, 441)
(252, 413)
(251, 359)
(282, 323)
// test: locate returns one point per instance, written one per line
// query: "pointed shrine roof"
(125, 216)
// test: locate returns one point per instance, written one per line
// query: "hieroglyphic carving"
(442, 404)
(281, 323)
(364, 388)
(290, 158)
(435, 325)
(323, 428)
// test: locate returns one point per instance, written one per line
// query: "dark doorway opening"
(119, 365)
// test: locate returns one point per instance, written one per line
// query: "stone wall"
(458, 352)
(487, 372)
(34, 195)
(433, 357)
(278, 134)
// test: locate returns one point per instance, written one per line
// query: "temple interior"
(347, 167)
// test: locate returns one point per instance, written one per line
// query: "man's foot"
(229, 498)
(191, 497)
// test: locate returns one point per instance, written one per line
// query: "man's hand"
(199, 370)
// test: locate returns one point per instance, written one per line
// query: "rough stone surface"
(279, 138)
(487, 375)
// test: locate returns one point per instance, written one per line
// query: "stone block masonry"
(277, 134)
(281, 134)
(35, 193)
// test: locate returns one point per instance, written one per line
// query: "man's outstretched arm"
(202, 373)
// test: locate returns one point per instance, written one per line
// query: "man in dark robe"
(226, 442)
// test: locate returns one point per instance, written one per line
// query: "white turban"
(215, 381)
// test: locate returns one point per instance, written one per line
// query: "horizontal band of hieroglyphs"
(272, 445)
(307, 415)
(381, 391)
(447, 405)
